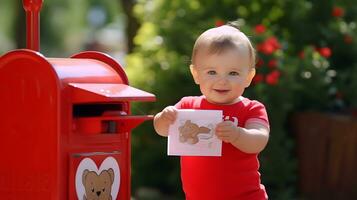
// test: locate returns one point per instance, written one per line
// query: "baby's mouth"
(221, 91)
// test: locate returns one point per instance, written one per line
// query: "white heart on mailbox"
(89, 164)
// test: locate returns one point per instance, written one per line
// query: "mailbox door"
(107, 92)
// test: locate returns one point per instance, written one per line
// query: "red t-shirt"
(234, 175)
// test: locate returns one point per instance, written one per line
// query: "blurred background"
(306, 77)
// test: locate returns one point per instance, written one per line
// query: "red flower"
(302, 55)
(273, 77)
(258, 78)
(348, 39)
(337, 11)
(219, 22)
(325, 52)
(259, 29)
(269, 46)
(266, 48)
(274, 42)
(272, 63)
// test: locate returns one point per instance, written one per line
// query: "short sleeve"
(178, 105)
(257, 114)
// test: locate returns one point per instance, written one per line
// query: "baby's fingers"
(222, 136)
(223, 127)
(169, 114)
(169, 117)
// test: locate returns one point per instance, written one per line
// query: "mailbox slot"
(94, 119)
(95, 110)
(107, 124)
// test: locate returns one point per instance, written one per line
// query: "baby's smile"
(221, 91)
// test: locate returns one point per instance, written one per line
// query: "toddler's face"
(222, 77)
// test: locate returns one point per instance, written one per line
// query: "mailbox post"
(65, 125)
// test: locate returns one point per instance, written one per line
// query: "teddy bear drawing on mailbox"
(65, 123)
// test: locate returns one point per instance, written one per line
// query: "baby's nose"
(222, 80)
(98, 193)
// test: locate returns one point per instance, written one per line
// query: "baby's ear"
(250, 77)
(194, 74)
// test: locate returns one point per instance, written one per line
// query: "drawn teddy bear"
(98, 187)
(189, 132)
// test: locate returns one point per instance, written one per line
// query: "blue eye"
(211, 72)
(233, 73)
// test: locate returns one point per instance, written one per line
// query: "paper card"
(192, 134)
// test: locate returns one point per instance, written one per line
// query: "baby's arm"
(164, 119)
(251, 139)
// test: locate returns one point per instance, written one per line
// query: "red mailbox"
(65, 126)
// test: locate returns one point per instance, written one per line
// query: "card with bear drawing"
(192, 134)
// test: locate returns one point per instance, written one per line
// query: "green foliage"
(305, 50)
(65, 28)
(6, 17)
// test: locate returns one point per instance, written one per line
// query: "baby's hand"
(227, 131)
(169, 114)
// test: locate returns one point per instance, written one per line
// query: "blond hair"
(219, 39)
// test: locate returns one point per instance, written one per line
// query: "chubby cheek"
(237, 83)
(206, 78)
(236, 80)
(204, 89)
(207, 81)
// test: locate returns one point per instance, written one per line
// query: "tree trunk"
(132, 23)
(19, 26)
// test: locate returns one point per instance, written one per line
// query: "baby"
(223, 65)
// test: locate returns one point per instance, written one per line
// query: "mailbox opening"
(94, 119)
(95, 110)
(97, 118)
